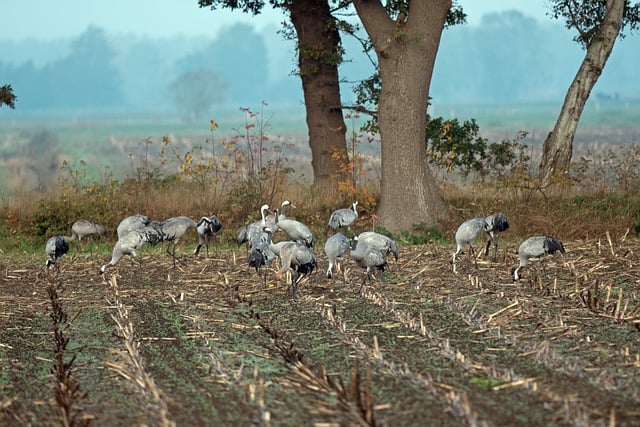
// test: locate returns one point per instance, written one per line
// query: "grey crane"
(497, 223)
(535, 247)
(295, 230)
(335, 248)
(86, 228)
(249, 233)
(345, 217)
(131, 223)
(172, 230)
(56, 247)
(468, 232)
(208, 227)
(299, 258)
(261, 254)
(386, 244)
(271, 218)
(130, 243)
(369, 257)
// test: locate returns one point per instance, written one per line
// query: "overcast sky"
(46, 19)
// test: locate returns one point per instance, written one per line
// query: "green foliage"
(7, 96)
(194, 92)
(421, 234)
(586, 17)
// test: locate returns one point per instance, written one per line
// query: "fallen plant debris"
(209, 342)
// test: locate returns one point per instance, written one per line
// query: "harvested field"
(211, 343)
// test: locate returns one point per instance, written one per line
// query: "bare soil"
(210, 342)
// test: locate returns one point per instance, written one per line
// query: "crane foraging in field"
(261, 253)
(295, 230)
(535, 247)
(130, 223)
(467, 233)
(344, 217)
(496, 224)
(369, 257)
(208, 227)
(56, 247)
(130, 243)
(299, 258)
(335, 248)
(85, 228)
(385, 244)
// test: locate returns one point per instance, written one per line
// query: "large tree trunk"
(318, 58)
(558, 147)
(406, 51)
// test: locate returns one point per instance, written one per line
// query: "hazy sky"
(45, 19)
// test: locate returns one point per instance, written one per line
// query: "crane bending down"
(131, 223)
(299, 258)
(56, 247)
(386, 244)
(496, 223)
(468, 232)
(261, 253)
(85, 228)
(207, 227)
(129, 244)
(535, 247)
(369, 257)
(345, 217)
(335, 248)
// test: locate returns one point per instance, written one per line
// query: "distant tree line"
(535, 62)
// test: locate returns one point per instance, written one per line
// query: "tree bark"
(558, 147)
(318, 59)
(406, 50)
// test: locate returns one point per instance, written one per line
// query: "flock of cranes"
(534, 247)
(368, 250)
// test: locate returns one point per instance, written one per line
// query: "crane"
(497, 223)
(535, 247)
(250, 234)
(131, 223)
(207, 227)
(369, 257)
(130, 243)
(295, 230)
(345, 217)
(56, 247)
(85, 228)
(468, 232)
(261, 253)
(386, 244)
(335, 248)
(299, 258)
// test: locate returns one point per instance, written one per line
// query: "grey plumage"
(251, 233)
(335, 248)
(56, 247)
(282, 213)
(130, 243)
(496, 224)
(85, 228)
(468, 232)
(261, 254)
(535, 247)
(299, 258)
(296, 231)
(207, 228)
(386, 244)
(131, 223)
(343, 217)
(369, 257)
